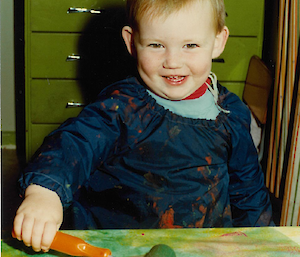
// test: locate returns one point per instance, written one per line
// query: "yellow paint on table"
(264, 241)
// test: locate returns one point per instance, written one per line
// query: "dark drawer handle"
(219, 60)
(84, 10)
(75, 105)
(73, 57)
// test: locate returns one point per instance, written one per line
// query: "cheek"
(147, 64)
(200, 66)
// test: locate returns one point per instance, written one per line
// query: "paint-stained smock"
(126, 162)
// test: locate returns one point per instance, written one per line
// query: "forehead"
(159, 7)
(188, 20)
(155, 9)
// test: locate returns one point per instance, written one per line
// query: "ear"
(127, 34)
(220, 42)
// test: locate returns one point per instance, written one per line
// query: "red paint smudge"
(199, 224)
(293, 249)
(202, 209)
(200, 169)
(155, 199)
(208, 159)
(132, 104)
(237, 233)
(227, 211)
(212, 196)
(167, 220)
(116, 92)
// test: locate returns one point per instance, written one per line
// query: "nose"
(172, 60)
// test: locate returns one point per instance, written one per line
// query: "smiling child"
(169, 148)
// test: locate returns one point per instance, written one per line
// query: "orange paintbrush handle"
(77, 247)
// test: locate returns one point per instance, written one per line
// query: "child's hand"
(38, 218)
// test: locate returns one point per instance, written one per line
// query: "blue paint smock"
(126, 162)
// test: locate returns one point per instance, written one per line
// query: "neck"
(200, 91)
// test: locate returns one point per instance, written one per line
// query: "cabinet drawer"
(245, 18)
(54, 16)
(73, 56)
(37, 135)
(236, 56)
(49, 100)
(49, 53)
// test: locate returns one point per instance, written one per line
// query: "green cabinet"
(49, 53)
(55, 53)
(67, 15)
(71, 45)
(236, 56)
(53, 101)
(245, 20)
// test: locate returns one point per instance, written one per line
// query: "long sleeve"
(249, 196)
(69, 154)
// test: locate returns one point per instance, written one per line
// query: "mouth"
(175, 79)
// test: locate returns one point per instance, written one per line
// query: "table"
(264, 241)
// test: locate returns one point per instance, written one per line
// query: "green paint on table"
(264, 241)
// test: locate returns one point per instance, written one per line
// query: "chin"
(174, 97)
(175, 94)
(179, 94)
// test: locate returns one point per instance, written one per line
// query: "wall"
(8, 123)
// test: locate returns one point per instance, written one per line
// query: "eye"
(154, 45)
(191, 46)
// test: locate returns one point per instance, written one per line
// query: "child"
(168, 149)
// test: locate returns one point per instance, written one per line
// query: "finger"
(48, 236)
(26, 232)
(17, 227)
(37, 234)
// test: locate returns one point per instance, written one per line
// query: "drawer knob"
(72, 58)
(74, 105)
(219, 60)
(84, 10)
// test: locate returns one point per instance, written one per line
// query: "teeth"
(176, 78)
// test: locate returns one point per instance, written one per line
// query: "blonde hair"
(136, 9)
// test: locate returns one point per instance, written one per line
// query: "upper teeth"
(174, 77)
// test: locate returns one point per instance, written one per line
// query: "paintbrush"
(77, 247)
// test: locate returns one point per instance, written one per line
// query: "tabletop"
(263, 241)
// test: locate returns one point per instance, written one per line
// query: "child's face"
(174, 54)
